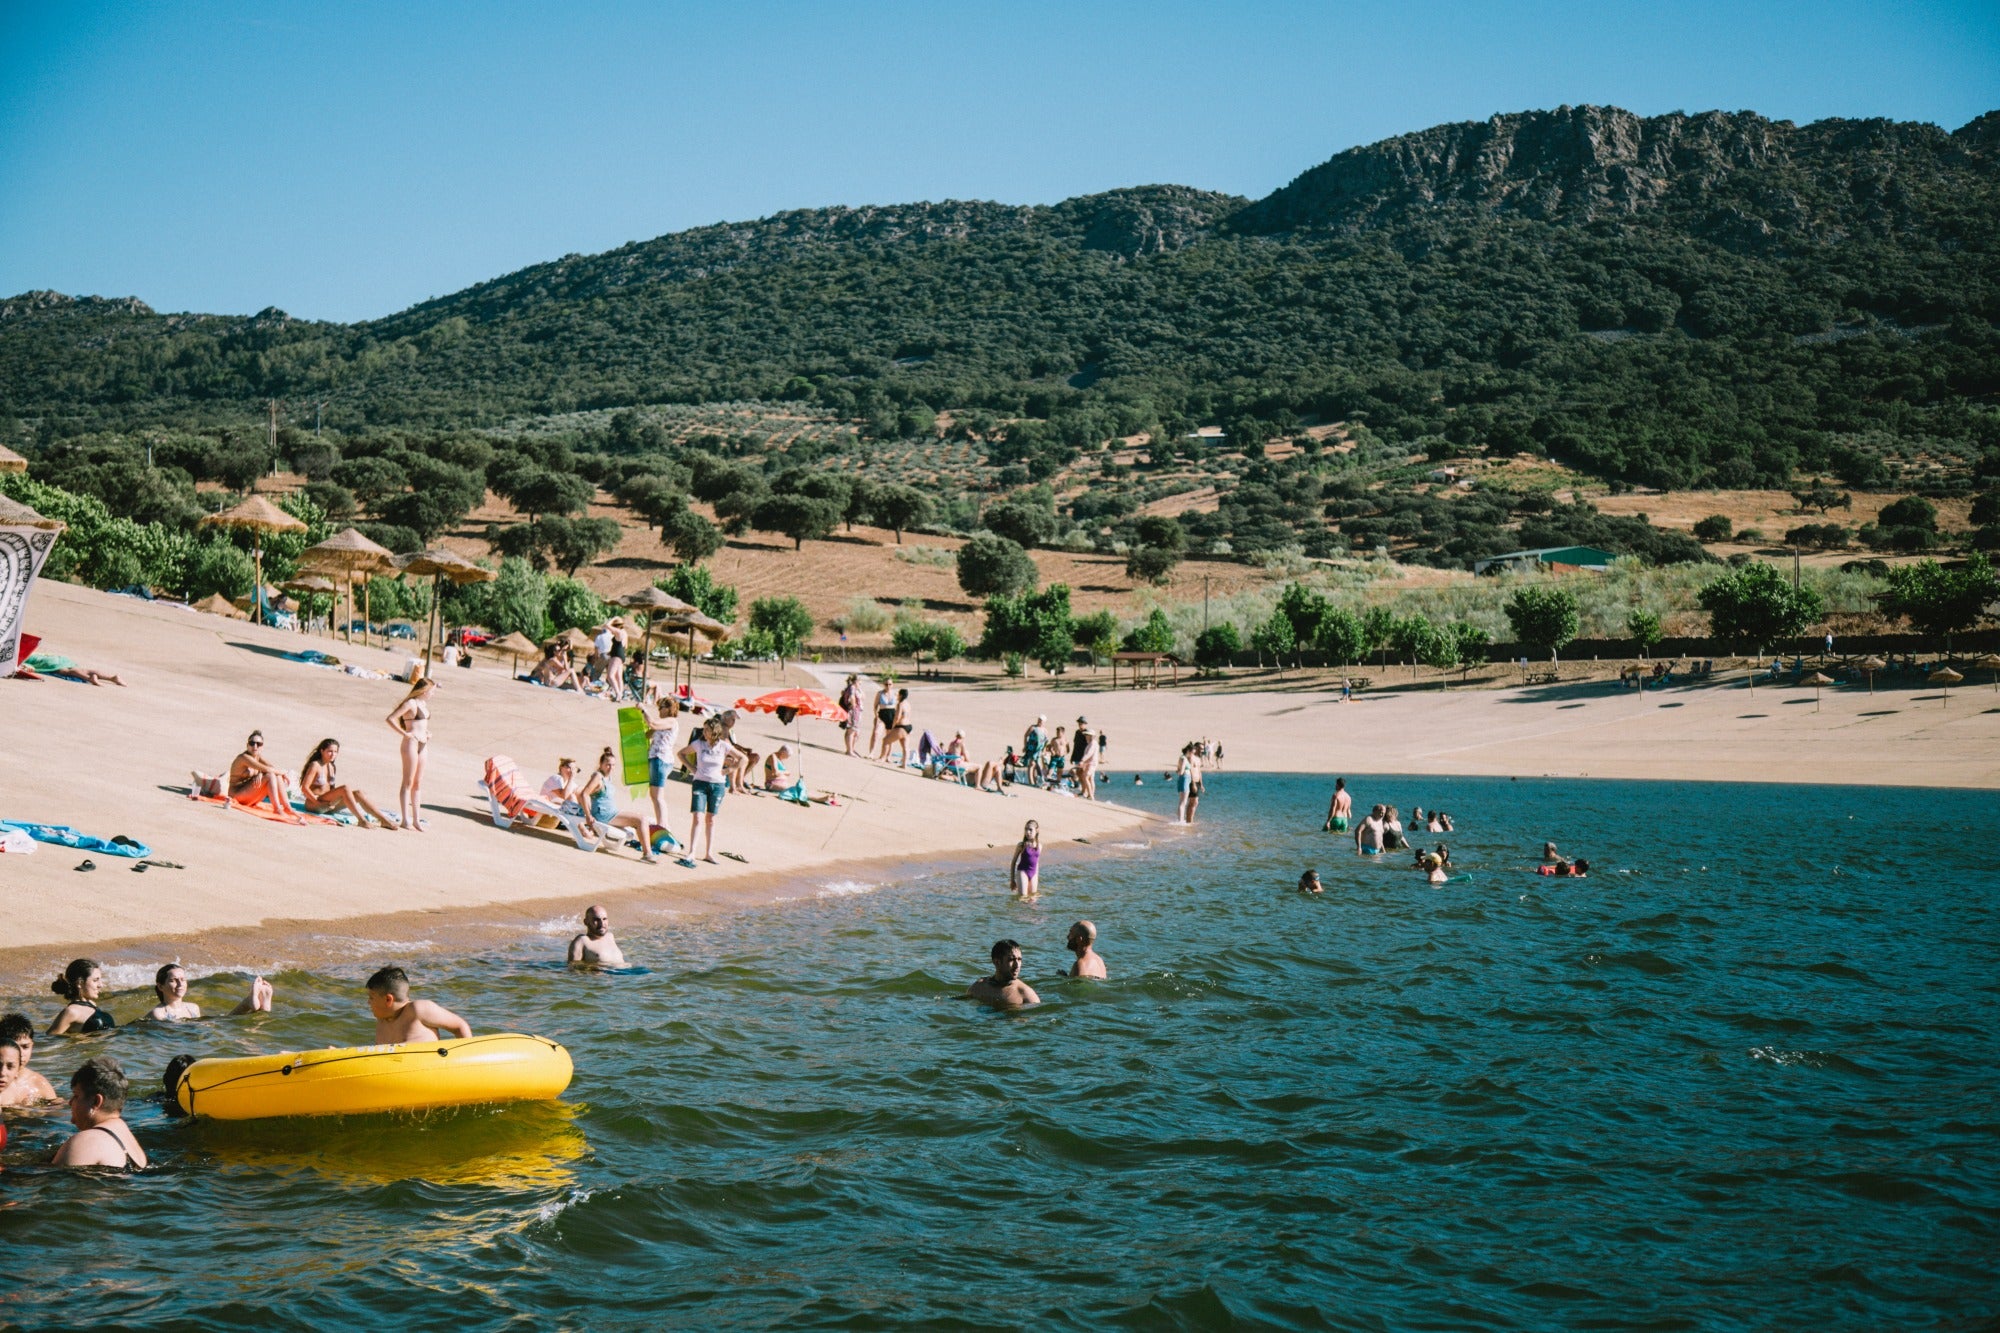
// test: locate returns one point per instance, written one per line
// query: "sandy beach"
(116, 761)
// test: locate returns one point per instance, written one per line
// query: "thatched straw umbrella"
(691, 623)
(652, 603)
(11, 461)
(1871, 664)
(312, 584)
(1990, 662)
(516, 645)
(441, 564)
(260, 516)
(17, 515)
(1946, 677)
(1816, 680)
(216, 604)
(350, 555)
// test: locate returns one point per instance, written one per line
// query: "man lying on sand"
(399, 1019)
(1083, 943)
(1004, 989)
(597, 946)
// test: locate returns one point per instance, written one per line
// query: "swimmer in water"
(170, 984)
(1549, 856)
(1433, 866)
(25, 1087)
(1004, 989)
(1371, 834)
(1083, 943)
(1309, 883)
(597, 946)
(1340, 808)
(97, 1109)
(398, 1018)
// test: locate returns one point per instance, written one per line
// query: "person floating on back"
(400, 1019)
(1004, 989)
(597, 946)
(1083, 943)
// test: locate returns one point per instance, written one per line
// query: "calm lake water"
(1742, 1076)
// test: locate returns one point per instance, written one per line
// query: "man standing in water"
(1004, 989)
(1372, 833)
(1341, 808)
(1083, 943)
(597, 946)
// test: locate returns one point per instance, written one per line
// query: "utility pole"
(318, 407)
(274, 432)
(1204, 603)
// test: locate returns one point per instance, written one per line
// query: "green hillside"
(1716, 299)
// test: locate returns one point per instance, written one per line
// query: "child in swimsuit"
(1025, 872)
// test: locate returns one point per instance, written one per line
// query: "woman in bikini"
(897, 737)
(320, 782)
(850, 703)
(253, 779)
(97, 1109)
(411, 720)
(80, 985)
(885, 713)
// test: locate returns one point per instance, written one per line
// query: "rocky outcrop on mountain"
(1149, 220)
(1735, 177)
(29, 304)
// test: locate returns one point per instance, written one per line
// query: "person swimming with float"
(399, 1019)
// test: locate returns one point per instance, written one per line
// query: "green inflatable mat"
(632, 738)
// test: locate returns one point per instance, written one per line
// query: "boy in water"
(399, 1019)
(24, 1087)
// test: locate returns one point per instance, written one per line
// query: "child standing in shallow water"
(1025, 874)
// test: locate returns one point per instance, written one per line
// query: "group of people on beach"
(604, 671)
(253, 779)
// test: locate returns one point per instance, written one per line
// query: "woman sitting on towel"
(778, 774)
(253, 779)
(324, 794)
(601, 808)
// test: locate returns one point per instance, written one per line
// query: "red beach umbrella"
(789, 704)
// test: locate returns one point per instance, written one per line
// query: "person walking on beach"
(1083, 943)
(1086, 760)
(400, 1019)
(850, 703)
(1004, 989)
(97, 1109)
(597, 946)
(1340, 809)
(707, 755)
(411, 721)
(1024, 872)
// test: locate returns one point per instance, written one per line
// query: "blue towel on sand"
(64, 835)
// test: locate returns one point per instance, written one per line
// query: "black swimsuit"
(130, 1165)
(100, 1020)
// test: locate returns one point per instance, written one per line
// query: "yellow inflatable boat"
(360, 1080)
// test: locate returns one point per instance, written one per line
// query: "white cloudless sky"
(342, 161)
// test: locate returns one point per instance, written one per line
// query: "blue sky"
(343, 160)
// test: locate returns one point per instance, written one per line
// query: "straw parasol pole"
(260, 516)
(1990, 662)
(651, 602)
(1946, 677)
(1871, 664)
(313, 583)
(441, 564)
(350, 556)
(1816, 680)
